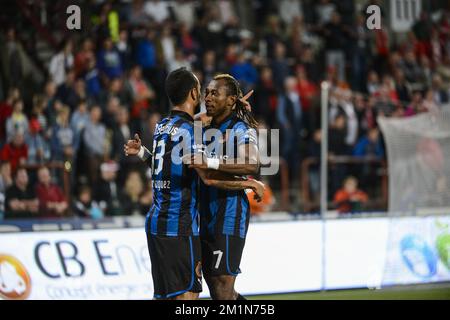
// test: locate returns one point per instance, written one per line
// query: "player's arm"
(226, 181)
(134, 147)
(246, 163)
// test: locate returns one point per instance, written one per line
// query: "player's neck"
(185, 107)
(220, 118)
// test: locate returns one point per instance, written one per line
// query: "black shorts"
(221, 255)
(176, 265)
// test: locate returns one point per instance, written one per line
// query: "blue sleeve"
(245, 134)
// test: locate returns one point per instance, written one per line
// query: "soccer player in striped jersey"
(225, 214)
(171, 225)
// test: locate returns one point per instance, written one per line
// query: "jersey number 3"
(158, 156)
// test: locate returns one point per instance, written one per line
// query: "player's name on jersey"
(161, 184)
(165, 128)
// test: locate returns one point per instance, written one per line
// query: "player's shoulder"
(183, 129)
(182, 123)
(185, 125)
(160, 125)
(240, 124)
(180, 119)
(173, 126)
(245, 132)
(163, 120)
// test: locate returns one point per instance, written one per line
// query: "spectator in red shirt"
(83, 57)
(306, 88)
(15, 152)
(422, 29)
(350, 198)
(381, 49)
(389, 84)
(52, 202)
(141, 92)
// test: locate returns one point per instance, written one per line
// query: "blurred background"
(70, 99)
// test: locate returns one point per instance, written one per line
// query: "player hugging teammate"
(208, 184)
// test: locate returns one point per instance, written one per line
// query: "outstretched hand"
(132, 147)
(245, 98)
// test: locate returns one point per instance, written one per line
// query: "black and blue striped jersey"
(175, 208)
(225, 211)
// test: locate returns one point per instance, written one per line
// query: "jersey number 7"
(219, 254)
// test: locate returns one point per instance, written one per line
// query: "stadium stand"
(69, 99)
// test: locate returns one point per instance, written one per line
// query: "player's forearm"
(224, 181)
(145, 155)
(230, 185)
(246, 162)
(239, 169)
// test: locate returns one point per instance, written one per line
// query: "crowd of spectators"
(106, 83)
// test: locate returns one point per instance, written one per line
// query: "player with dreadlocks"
(230, 147)
(171, 225)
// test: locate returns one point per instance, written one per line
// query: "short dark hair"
(178, 85)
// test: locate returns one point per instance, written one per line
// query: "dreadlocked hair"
(234, 89)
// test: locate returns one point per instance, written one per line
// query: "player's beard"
(219, 112)
(208, 113)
